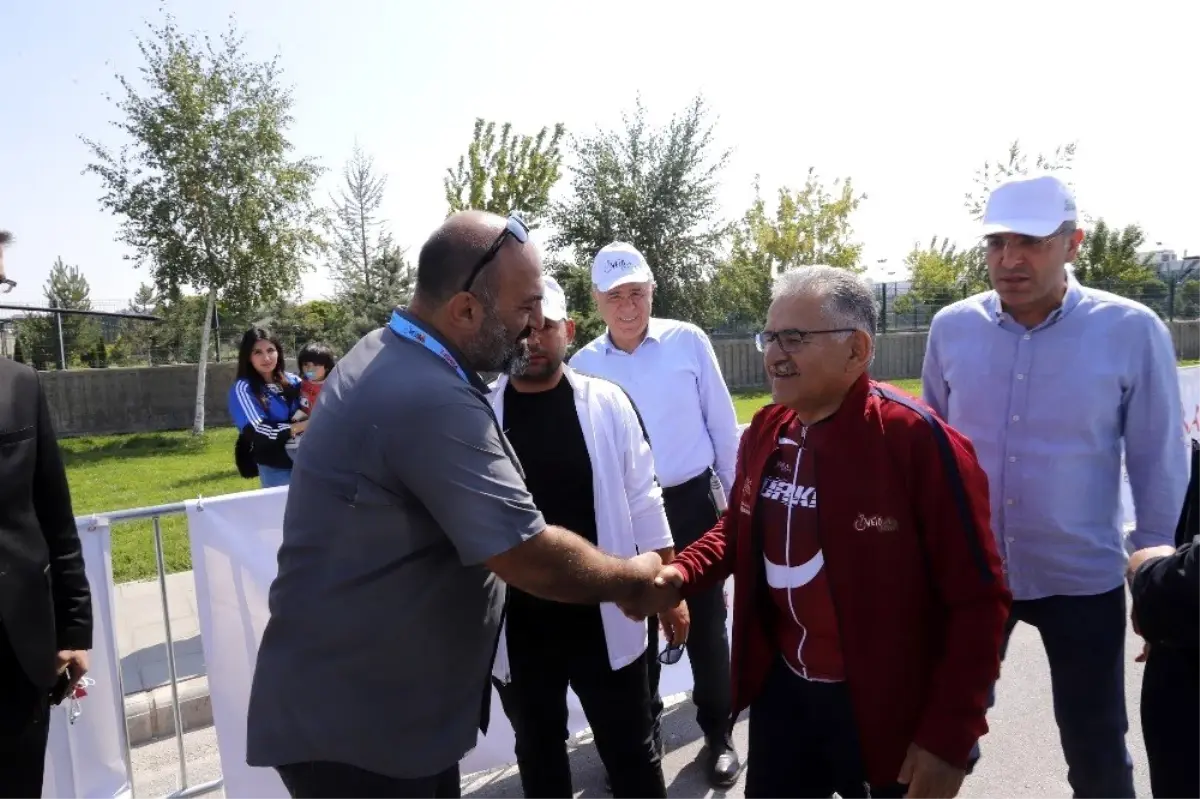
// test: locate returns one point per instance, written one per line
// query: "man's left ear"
(861, 350)
(1073, 247)
(570, 330)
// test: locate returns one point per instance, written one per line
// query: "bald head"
(449, 255)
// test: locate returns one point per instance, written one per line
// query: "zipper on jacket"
(787, 547)
(837, 616)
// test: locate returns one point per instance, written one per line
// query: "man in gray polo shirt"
(406, 516)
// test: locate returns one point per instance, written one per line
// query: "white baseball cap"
(554, 300)
(617, 264)
(1035, 206)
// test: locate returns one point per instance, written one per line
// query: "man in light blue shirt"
(1049, 379)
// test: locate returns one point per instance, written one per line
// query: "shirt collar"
(654, 331)
(991, 302)
(472, 376)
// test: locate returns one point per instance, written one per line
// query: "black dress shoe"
(724, 765)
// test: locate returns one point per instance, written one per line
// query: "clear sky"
(908, 99)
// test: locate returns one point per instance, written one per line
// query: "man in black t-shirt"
(588, 465)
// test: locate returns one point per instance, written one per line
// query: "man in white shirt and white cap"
(670, 370)
(1050, 380)
(588, 465)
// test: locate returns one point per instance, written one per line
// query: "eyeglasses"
(792, 340)
(671, 655)
(997, 243)
(516, 228)
(7, 285)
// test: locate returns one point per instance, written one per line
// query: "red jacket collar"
(774, 418)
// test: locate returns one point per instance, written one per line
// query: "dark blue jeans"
(1084, 638)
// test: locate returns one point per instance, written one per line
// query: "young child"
(316, 361)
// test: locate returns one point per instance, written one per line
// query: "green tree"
(136, 339)
(941, 274)
(1108, 257)
(368, 306)
(357, 233)
(18, 352)
(371, 273)
(315, 321)
(657, 189)
(65, 288)
(209, 195)
(98, 357)
(807, 226)
(506, 172)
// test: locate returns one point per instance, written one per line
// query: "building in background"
(1169, 264)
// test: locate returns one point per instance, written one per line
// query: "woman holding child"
(264, 401)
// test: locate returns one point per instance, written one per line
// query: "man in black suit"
(45, 603)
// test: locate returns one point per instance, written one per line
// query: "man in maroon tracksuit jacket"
(869, 600)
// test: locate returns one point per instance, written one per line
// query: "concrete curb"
(149, 715)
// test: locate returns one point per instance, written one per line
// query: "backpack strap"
(953, 475)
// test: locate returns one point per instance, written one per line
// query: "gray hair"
(849, 299)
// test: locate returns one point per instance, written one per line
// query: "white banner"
(1189, 391)
(234, 541)
(87, 759)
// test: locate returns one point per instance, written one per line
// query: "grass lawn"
(109, 473)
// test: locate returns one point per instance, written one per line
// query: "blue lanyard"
(406, 329)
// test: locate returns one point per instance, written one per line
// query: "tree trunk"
(198, 424)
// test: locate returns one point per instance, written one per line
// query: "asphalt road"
(1022, 755)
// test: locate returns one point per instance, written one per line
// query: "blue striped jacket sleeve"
(246, 410)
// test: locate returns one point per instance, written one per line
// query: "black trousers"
(617, 705)
(24, 726)
(1170, 698)
(691, 513)
(1084, 637)
(318, 780)
(804, 741)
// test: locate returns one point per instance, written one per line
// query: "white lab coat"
(630, 517)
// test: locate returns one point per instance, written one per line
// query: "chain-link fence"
(49, 340)
(905, 308)
(115, 334)
(73, 338)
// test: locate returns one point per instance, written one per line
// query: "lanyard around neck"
(406, 329)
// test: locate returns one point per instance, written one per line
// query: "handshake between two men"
(659, 595)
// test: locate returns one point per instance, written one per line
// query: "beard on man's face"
(537, 364)
(496, 348)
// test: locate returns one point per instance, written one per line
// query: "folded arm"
(1166, 598)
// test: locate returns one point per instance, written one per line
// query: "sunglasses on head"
(516, 228)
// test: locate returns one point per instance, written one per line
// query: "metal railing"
(155, 514)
